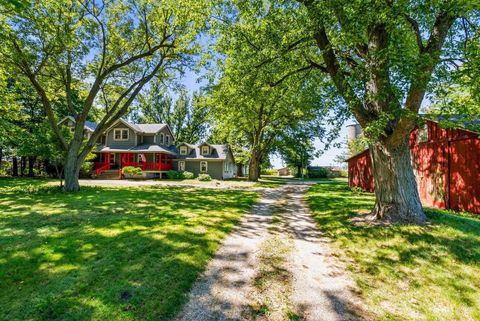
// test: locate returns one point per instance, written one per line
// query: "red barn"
(446, 164)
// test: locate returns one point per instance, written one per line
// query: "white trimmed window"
(226, 167)
(203, 167)
(167, 140)
(181, 165)
(162, 138)
(205, 150)
(183, 150)
(120, 134)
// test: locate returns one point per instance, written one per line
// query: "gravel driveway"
(320, 289)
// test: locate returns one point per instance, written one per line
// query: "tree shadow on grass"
(438, 254)
(109, 253)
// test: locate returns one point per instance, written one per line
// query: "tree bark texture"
(254, 167)
(397, 198)
(72, 167)
(31, 163)
(23, 165)
(14, 166)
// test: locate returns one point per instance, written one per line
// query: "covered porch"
(148, 162)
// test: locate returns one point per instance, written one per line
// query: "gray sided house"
(152, 147)
(216, 160)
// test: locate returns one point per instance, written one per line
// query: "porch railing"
(149, 166)
(100, 167)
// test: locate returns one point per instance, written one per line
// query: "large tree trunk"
(14, 166)
(254, 167)
(397, 198)
(31, 163)
(299, 171)
(23, 165)
(72, 168)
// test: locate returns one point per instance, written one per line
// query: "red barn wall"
(447, 168)
(360, 172)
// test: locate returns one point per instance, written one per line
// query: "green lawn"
(107, 253)
(405, 272)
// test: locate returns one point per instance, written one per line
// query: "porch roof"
(146, 148)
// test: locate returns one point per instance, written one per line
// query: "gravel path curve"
(321, 288)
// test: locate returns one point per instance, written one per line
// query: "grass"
(107, 253)
(230, 183)
(290, 178)
(404, 272)
(271, 298)
(23, 181)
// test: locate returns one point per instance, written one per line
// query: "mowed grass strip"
(108, 253)
(405, 272)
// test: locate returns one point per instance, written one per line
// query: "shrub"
(173, 174)
(320, 172)
(356, 190)
(269, 171)
(86, 171)
(343, 173)
(204, 177)
(130, 170)
(187, 175)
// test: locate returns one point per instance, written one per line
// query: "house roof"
(150, 128)
(219, 152)
(90, 126)
(145, 148)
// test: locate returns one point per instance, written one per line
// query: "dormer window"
(205, 150)
(162, 138)
(120, 134)
(183, 150)
(167, 140)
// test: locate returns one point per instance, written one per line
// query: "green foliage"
(131, 170)
(92, 58)
(86, 171)
(173, 174)
(343, 173)
(187, 175)
(204, 177)
(401, 266)
(186, 116)
(269, 171)
(319, 172)
(353, 147)
(254, 102)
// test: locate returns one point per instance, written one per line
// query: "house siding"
(165, 132)
(214, 168)
(131, 142)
